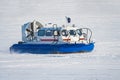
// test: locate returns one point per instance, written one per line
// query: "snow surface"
(102, 16)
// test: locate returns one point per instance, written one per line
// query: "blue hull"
(51, 48)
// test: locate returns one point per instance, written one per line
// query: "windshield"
(79, 32)
(64, 32)
(72, 32)
(41, 32)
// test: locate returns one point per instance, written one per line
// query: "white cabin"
(34, 32)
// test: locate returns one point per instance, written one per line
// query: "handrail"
(89, 40)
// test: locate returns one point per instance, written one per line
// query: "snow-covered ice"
(102, 16)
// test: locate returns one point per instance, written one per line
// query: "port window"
(56, 33)
(72, 32)
(49, 33)
(41, 32)
(64, 32)
(79, 32)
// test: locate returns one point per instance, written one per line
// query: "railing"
(88, 34)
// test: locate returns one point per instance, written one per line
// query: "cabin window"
(41, 32)
(72, 32)
(79, 32)
(49, 33)
(64, 32)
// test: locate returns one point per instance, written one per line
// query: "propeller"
(30, 32)
(33, 27)
(38, 24)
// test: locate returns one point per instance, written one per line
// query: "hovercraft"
(51, 38)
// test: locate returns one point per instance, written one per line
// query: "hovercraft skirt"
(51, 48)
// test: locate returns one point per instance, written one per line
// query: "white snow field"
(102, 16)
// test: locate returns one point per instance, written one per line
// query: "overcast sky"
(60, 7)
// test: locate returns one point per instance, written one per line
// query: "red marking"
(49, 39)
(82, 39)
(67, 40)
